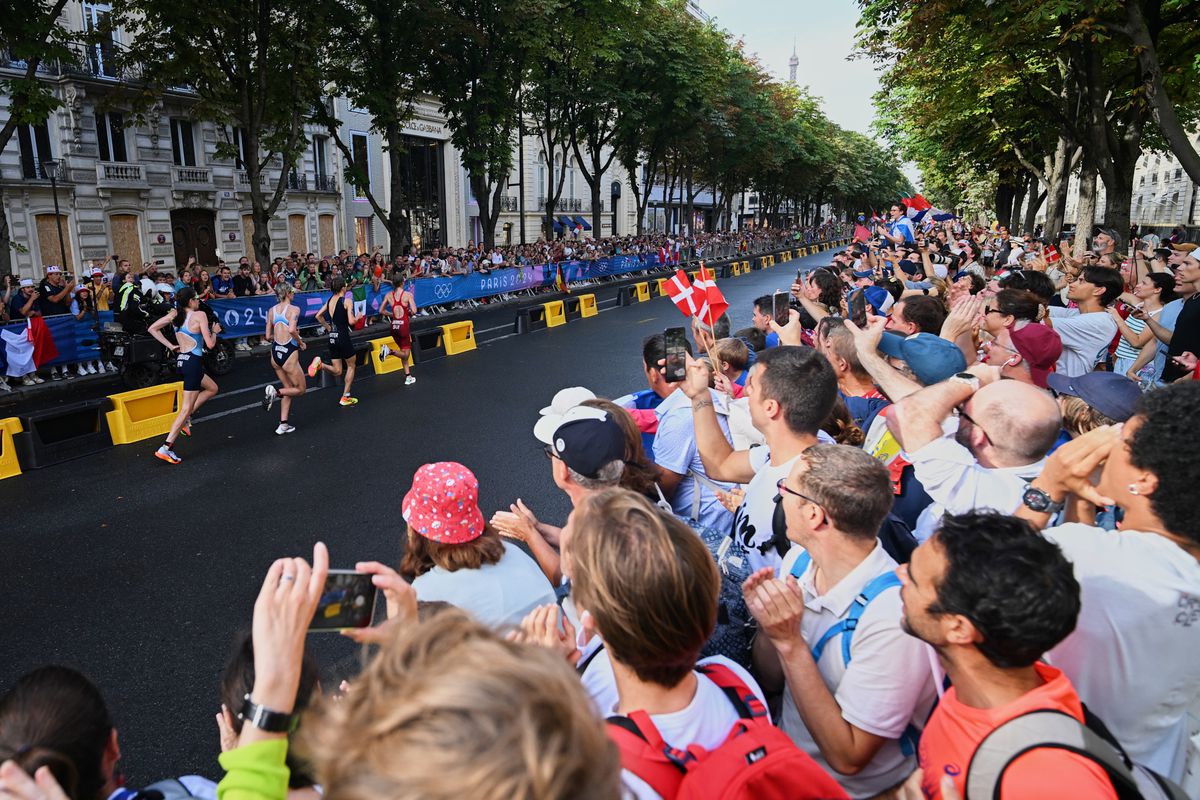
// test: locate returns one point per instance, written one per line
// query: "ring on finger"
(287, 577)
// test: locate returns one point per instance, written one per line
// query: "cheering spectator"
(452, 555)
(1139, 583)
(917, 314)
(1028, 354)
(1004, 430)
(856, 685)
(1087, 330)
(222, 284)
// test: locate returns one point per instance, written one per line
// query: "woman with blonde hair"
(283, 335)
(454, 556)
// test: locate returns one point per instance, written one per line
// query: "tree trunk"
(1085, 211)
(1019, 191)
(398, 225)
(1002, 204)
(1058, 168)
(5, 243)
(690, 205)
(1035, 202)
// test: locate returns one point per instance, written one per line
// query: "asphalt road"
(139, 573)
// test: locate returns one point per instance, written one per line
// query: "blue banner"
(75, 339)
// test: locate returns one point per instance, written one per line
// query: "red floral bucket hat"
(443, 504)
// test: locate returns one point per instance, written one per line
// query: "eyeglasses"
(964, 415)
(549, 451)
(993, 311)
(782, 487)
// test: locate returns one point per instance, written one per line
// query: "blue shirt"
(902, 227)
(772, 340)
(675, 449)
(221, 286)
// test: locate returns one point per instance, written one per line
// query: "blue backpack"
(846, 627)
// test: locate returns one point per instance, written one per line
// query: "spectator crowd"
(933, 535)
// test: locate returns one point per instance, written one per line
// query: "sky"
(823, 35)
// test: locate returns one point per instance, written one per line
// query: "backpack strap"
(1034, 730)
(744, 700)
(645, 753)
(845, 627)
(583, 665)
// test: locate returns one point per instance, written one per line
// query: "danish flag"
(683, 293)
(714, 304)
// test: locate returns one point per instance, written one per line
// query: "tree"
(31, 37)
(379, 76)
(253, 64)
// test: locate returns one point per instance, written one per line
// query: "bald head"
(1022, 421)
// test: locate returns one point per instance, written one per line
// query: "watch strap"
(266, 719)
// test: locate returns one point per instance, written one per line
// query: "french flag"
(916, 207)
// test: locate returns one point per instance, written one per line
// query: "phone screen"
(858, 308)
(779, 308)
(676, 347)
(347, 601)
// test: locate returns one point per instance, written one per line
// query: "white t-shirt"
(675, 449)
(496, 594)
(1084, 338)
(1134, 656)
(752, 522)
(957, 484)
(705, 721)
(888, 684)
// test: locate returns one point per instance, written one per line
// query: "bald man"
(986, 457)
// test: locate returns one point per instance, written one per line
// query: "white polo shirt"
(958, 484)
(1084, 338)
(1134, 656)
(888, 684)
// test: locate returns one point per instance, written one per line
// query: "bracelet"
(701, 404)
(265, 719)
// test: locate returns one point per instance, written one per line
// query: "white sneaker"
(54, 376)
(384, 351)
(269, 397)
(4, 385)
(28, 381)
(91, 368)
(83, 373)
(410, 380)
(284, 428)
(111, 367)
(38, 378)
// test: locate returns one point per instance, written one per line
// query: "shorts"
(280, 353)
(340, 345)
(191, 367)
(401, 334)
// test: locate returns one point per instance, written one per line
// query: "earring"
(1132, 488)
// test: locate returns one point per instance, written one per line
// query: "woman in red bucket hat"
(454, 556)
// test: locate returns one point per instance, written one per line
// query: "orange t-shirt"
(955, 730)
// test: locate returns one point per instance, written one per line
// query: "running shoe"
(284, 428)
(269, 397)
(410, 380)
(314, 367)
(167, 455)
(186, 430)
(347, 400)
(384, 351)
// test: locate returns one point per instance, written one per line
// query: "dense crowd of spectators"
(832, 559)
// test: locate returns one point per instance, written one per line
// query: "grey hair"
(607, 476)
(284, 289)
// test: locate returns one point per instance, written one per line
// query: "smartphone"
(780, 308)
(858, 308)
(676, 355)
(347, 601)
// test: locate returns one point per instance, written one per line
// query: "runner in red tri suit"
(400, 305)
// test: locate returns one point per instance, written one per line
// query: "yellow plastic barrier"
(662, 286)
(459, 337)
(144, 413)
(9, 465)
(587, 305)
(385, 365)
(556, 314)
(643, 291)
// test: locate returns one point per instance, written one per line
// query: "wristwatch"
(265, 719)
(967, 378)
(1037, 500)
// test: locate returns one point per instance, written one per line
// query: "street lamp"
(50, 167)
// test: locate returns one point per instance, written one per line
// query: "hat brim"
(892, 344)
(1061, 384)
(545, 427)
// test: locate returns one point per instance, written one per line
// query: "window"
(237, 139)
(35, 149)
(110, 136)
(102, 54)
(320, 145)
(183, 148)
(362, 161)
(1154, 179)
(541, 183)
(362, 234)
(1178, 173)
(571, 180)
(1142, 182)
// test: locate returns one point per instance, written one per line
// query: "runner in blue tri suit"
(192, 335)
(283, 331)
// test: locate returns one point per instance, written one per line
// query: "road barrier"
(428, 345)
(555, 313)
(587, 305)
(382, 366)
(55, 435)
(144, 413)
(661, 284)
(10, 465)
(459, 337)
(643, 291)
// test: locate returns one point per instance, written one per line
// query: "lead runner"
(401, 306)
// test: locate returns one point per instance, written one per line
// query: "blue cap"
(879, 299)
(866, 273)
(1111, 393)
(931, 358)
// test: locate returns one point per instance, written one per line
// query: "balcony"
(325, 183)
(191, 177)
(243, 179)
(509, 203)
(314, 183)
(118, 174)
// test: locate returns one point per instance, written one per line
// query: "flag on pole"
(682, 293)
(560, 282)
(44, 349)
(861, 234)
(714, 303)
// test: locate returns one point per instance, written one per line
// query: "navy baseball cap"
(585, 438)
(866, 273)
(931, 358)
(1112, 394)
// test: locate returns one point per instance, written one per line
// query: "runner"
(286, 345)
(192, 335)
(338, 315)
(399, 303)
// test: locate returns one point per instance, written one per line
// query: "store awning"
(558, 226)
(581, 221)
(566, 223)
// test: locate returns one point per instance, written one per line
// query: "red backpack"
(756, 760)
